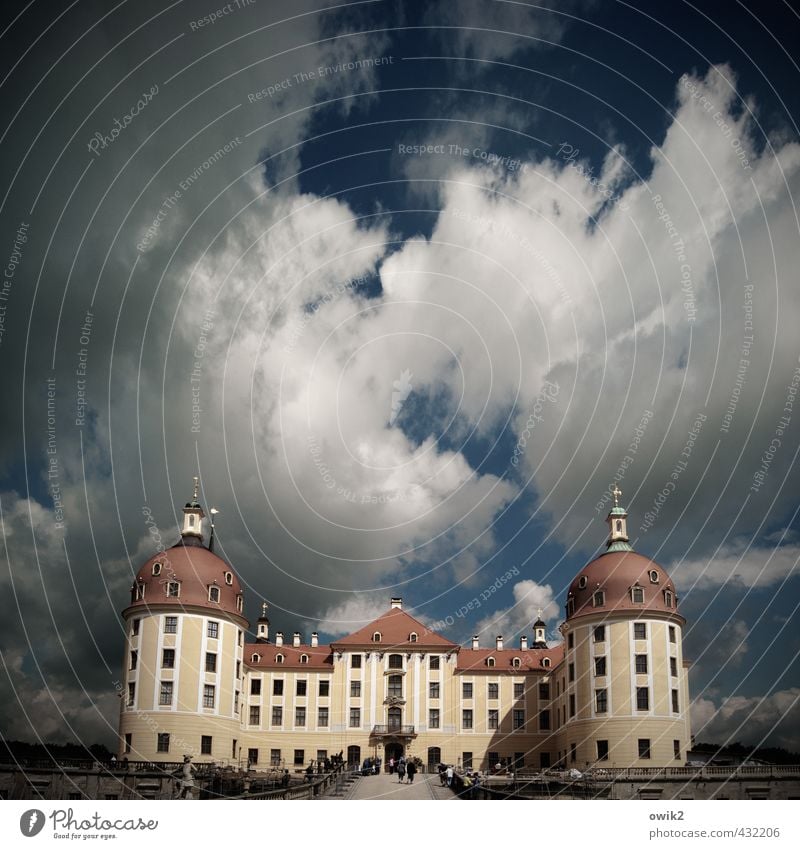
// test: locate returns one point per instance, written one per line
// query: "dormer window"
(213, 594)
(156, 569)
(412, 637)
(582, 581)
(138, 592)
(229, 578)
(546, 662)
(255, 657)
(653, 576)
(668, 598)
(376, 637)
(173, 589)
(570, 606)
(516, 662)
(490, 661)
(599, 598)
(239, 603)
(303, 658)
(637, 594)
(278, 658)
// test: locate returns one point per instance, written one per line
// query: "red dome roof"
(196, 570)
(621, 576)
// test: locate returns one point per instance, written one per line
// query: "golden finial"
(616, 492)
(196, 486)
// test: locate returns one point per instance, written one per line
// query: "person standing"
(401, 770)
(450, 774)
(391, 766)
(411, 771)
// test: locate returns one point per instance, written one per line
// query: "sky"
(409, 286)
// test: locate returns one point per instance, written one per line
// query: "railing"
(399, 730)
(306, 790)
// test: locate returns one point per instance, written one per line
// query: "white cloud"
(529, 599)
(738, 565)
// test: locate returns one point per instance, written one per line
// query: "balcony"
(393, 730)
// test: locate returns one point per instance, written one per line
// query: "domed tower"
(184, 639)
(624, 698)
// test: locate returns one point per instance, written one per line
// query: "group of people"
(405, 769)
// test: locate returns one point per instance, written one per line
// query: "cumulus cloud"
(739, 565)
(529, 599)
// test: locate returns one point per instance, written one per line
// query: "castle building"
(614, 692)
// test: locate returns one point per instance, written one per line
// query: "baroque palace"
(614, 693)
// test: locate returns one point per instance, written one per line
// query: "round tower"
(623, 691)
(184, 641)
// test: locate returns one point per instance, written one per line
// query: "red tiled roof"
(395, 627)
(319, 657)
(474, 660)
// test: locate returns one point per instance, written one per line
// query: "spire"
(617, 525)
(193, 516)
(539, 629)
(262, 631)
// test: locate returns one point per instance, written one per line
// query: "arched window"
(376, 638)
(516, 662)
(412, 637)
(213, 594)
(546, 662)
(255, 657)
(239, 603)
(354, 756)
(653, 576)
(156, 568)
(490, 661)
(637, 594)
(137, 593)
(395, 718)
(599, 598)
(279, 658)
(668, 597)
(229, 578)
(619, 524)
(303, 658)
(582, 581)
(570, 606)
(173, 589)
(395, 661)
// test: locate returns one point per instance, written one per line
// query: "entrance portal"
(393, 750)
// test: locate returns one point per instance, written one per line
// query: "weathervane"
(616, 492)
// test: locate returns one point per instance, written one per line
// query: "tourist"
(391, 766)
(450, 774)
(442, 774)
(411, 771)
(401, 769)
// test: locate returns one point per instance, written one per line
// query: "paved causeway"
(388, 787)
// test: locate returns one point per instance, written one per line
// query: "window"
(322, 717)
(255, 686)
(639, 630)
(637, 594)
(255, 715)
(209, 695)
(571, 672)
(433, 690)
(355, 661)
(236, 702)
(168, 658)
(205, 745)
(573, 752)
(466, 719)
(212, 632)
(600, 633)
(434, 758)
(600, 665)
(156, 569)
(672, 633)
(395, 661)
(466, 690)
(299, 757)
(162, 744)
(544, 692)
(599, 598)
(653, 576)
(213, 594)
(433, 718)
(302, 687)
(572, 704)
(490, 661)
(493, 691)
(229, 578)
(376, 637)
(131, 693)
(675, 702)
(355, 689)
(255, 657)
(324, 688)
(673, 667)
(279, 658)
(165, 693)
(252, 756)
(138, 592)
(494, 759)
(322, 754)
(519, 690)
(135, 627)
(571, 640)
(546, 662)
(544, 720)
(277, 687)
(518, 718)
(667, 598)
(274, 757)
(570, 606)
(601, 700)
(211, 661)
(515, 662)
(544, 760)
(582, 581)
(277, 716)
(395, 688)
(642, 698)
(303, 658)
(355, 717)
(640, 661)
(173, 589)
(494, 720)
(395, 718)
(299, 716)
(466, 760)
(602, 750)
(412, 637)
(134, 658)
(644, 748)
(433, 661)
(676, 749)
(170, 624)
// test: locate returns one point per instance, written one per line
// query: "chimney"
(314, 639)
(397, 603)
(279, 638)
(523, 642)
(499, 642)
(296, 639)
(475, 642)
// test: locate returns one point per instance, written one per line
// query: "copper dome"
(627, 581)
